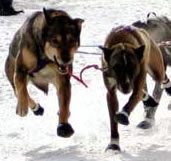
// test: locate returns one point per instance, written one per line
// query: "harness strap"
(41, 64)
(80, 78)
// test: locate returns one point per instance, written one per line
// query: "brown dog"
(42, 52)
(129, 54)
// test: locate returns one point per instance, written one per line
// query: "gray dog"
(159, 29)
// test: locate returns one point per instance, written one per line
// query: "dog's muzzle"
(125, 88)
(63, 68)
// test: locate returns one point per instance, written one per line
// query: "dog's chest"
(48, 74)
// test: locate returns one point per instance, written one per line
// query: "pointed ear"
(140, 52)
(107, 52)
(79, 22)
(47, 17)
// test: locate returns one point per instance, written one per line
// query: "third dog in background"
(159, 28)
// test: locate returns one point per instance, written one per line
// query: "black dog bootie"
(149, 101)
(38, 110)
(122, 118)
(65, 130)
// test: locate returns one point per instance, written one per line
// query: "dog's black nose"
(65, 59)
(126, 87)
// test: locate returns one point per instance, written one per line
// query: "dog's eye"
(72, 41)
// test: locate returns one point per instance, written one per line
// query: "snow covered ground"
(34, 138)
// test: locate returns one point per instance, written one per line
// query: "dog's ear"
(107, 52)
(140, 52)
(46, 14)
(79, 22)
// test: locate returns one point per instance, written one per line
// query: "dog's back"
(124, 34)
(130, 37)
(159, 28)
(133, 37)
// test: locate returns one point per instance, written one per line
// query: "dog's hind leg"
(112, 103)
(157, 71)
(35, 107)
(148, 100)
(64, 129)
(150, 107)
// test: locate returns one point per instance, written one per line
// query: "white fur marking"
(124, 113)
(112, 81)
(166, 85)
(151, 121)
(115, 141)
(35, 108)
(146, 96)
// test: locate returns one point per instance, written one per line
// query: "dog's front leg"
(137, 95)
(64, 95)
(112, 103)
(20, 82)
(37, 109)
(25, 61)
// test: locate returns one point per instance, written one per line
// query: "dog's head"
(123, 66)
(61, 36)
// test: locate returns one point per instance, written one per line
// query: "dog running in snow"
(42, 51)
(129, 53)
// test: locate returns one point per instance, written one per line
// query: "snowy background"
(34, 138)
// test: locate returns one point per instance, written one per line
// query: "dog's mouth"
(63, 69)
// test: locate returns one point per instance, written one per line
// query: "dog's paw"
(146, 124)
(150, 102)
(38, 110)
(21, 111)
(65, 130)
(114, 147)
(122, 118)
